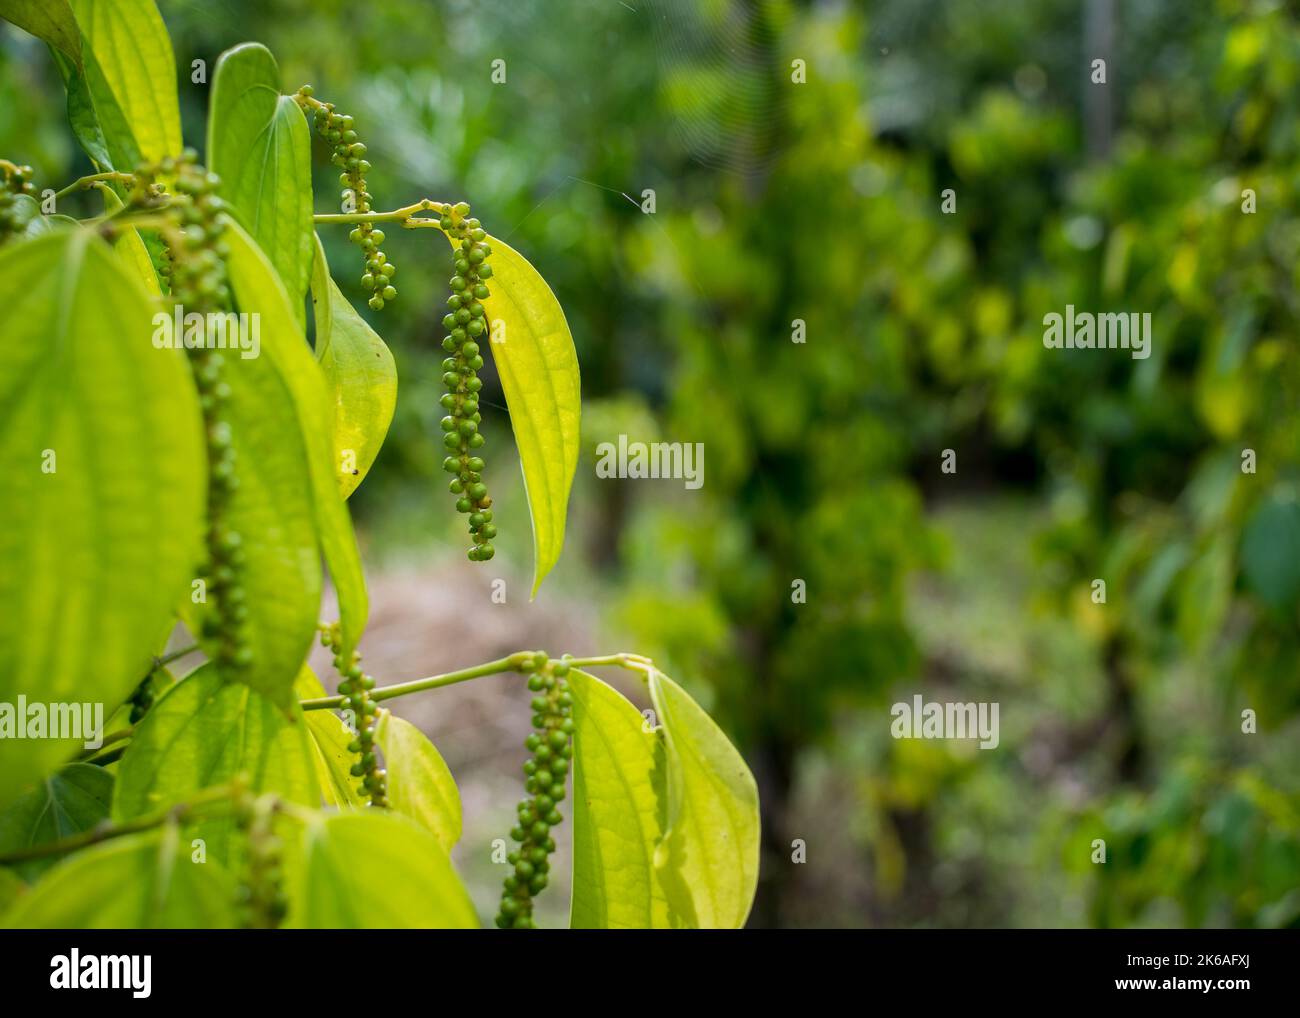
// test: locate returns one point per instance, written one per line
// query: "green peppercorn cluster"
(262, 902)
(546, 772)
(466, 325)
(349, 155)
(17, 180)
(198, 283)
(356, 687)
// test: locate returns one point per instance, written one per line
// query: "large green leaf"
(90, 574)
(329, 741)
(260, 146)
(67, 803)
(538, 367)
(615, 813)
(131, 77)
(258, 290)
(708, 858)
(420, 784)
(373, 870)
(142, 881)
(50, 20)
(204, 732)
(361, 375)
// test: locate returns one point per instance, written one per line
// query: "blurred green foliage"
(821, 202)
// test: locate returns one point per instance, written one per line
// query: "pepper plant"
(175, 450)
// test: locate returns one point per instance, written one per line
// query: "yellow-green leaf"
(142, 881)
(260, 146)
(203, 733)
(419, 783)
(708, 858)
(374, 870)
(100, 440)
(131, 75)
(534, 355)
(258, 290)
(361, 376)
(615, 813)
(329, 740)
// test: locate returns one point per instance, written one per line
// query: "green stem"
(83, 183)
(505, 664)
(403, 215)
(175, 655)
(632, 662)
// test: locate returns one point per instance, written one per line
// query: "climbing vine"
(181, 455)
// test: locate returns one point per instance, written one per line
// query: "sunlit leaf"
(381, 871)
(361, 376)
(260, 146)
(615, 812)
(329, 741)
(708, 858)
(131, 77)
(284, 347)
(419, 782)
(142, 881)
(201, 734)
(102, 457)
(534, 355)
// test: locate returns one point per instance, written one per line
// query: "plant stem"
(83, 183)
(504, 664)
(405, 215)
(175, 655)
(632, 662)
